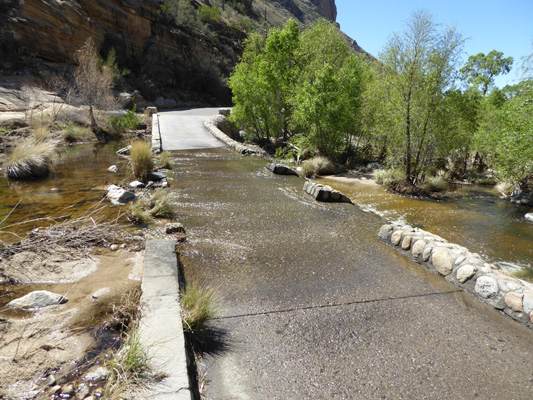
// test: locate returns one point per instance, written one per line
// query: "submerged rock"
(325, 193)
(37, 299)
(113, 169)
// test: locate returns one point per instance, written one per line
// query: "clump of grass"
(389, 177)
(318, 166)
(435, 184)
(30, 160)
(165, 160)
(137, 212)
(141, 159)
(162, 205)
(198, 308)
(70, 133)
(505, 188)
(480, 178)
(41, 132)
(129, 368)
(159, 205)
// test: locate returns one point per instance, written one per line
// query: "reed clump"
(318, 165)
(141, 159)
(30, 159)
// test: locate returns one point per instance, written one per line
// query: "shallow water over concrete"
(479, 220)
(313, 305)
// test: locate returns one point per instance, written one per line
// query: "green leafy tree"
(263, 81)
(417, 67)
(480, 70)
(514, 126)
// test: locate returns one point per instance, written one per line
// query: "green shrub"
(141, 159)
(119, 125)
(30, 160)
(209, 14)
(318, 166)
(165, 160)
(389, 177)
(70, 133)
(435, 184)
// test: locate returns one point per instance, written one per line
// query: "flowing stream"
(477, 219)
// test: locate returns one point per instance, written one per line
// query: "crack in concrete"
(348, 303)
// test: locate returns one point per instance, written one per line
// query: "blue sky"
(503, 25)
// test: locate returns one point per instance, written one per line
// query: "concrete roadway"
(184, 129)
(314, 306)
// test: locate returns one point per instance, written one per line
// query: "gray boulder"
(280, 169)
(119, 196)
(125, 151)
(156, 176)
(325, 193)
(37, 299)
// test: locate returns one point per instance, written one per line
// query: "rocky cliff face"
(187, 63)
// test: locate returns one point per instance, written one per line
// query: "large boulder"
(280, 169)
(119, 196)
(325, 193)
(37, 299)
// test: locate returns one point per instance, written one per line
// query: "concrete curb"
(212, 125)
(161, 328)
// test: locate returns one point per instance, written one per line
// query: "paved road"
(184, 129)
(313, 306)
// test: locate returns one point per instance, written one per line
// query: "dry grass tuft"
(30, 159)
(165, 160)
(435, 184)
(318, 166)
(141, 159)
(199, 308)
(389, 177)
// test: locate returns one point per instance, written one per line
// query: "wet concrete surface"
(314, 306)
(184, 129)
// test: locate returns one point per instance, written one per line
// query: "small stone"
(100, 292)
(465, 273)
(137, 184)
(113, 169)
(37, 299)
(442, 261)
(119, 196)
(82, 391)
(459, 260)
(527, 301)
(97, 374)
(174, 228)
(529, 217)
(114, 247)
(68, 390)
(418, 248)
(427, 253)
(486, 287)
(396, 238)
(50, 380)
(514, 301)
(408, 228)
(384, 232)
(156, 176)
(55, 389)
(406, 242)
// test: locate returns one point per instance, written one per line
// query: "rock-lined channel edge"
(464, 269)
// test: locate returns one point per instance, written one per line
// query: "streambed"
(477, 219)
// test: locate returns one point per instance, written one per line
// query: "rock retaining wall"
(325, 193)
(464, 269)
(212, 124)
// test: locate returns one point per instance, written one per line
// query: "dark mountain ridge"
(180, 49)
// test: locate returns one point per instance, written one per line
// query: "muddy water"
(79, 175)
(479, 220)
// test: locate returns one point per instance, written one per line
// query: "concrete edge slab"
(161, 328)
